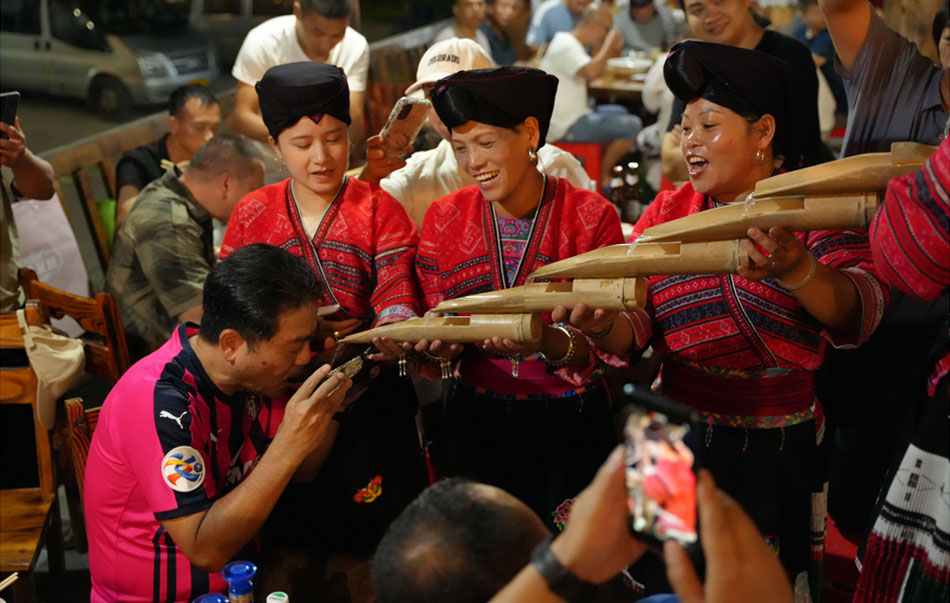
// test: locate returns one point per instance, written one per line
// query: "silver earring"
(533, 155)
(759, 156)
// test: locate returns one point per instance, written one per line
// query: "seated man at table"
(318, 31)
(553, 16)
(163, 251)
(194, 117)
(573, 120)
(499, 15)
(430, 175)
(191, 452)
(647, 26)
(469, 15)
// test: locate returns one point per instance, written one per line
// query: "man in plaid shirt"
(163, 251)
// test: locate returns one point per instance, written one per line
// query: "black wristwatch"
(560, 580)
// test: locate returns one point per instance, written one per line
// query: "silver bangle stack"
(571, 347)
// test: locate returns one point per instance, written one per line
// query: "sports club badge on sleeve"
(182, 469)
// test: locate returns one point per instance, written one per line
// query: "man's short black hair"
(250, 289)
(941, 19)
(452, 543)
(181, 94)
(803, 4)
(224, 153)
(329, 9)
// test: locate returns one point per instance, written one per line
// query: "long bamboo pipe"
(642, 259)
(620, 294)
(520, 328)
(795, 214)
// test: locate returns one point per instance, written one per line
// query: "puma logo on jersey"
(167, 415)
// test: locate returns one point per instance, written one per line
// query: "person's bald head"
(595, 22)
(458, 541)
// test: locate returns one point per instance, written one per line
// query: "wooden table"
(610, 88)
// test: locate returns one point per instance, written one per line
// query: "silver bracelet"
(812, 267)
(571, 347)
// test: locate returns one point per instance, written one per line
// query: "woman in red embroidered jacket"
(743, 349)
(362, 244)
(541, 434)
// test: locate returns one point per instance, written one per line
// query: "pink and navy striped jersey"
(168, 444)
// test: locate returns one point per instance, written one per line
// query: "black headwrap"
(748, 82)
(293, 90)
(501, 96)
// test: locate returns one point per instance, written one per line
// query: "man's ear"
(230, 342)
(298, 10)
(226, 181)
(173, 124)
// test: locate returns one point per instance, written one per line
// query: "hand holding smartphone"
(9, 103)
(403, 125)
(661, 485)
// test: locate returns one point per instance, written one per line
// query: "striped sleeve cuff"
(873, 302)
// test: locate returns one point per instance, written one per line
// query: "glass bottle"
(240, 575)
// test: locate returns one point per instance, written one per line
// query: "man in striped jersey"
(170, 494)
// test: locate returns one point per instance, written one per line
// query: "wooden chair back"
(107, 353)
(80, 425)
(18, 386)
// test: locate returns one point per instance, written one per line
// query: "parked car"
(113, 53)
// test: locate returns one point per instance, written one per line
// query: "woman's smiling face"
(720, 148)
(497, 158)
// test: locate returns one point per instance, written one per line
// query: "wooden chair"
(107, 353)
(80, 424)
(107, 356)
(29, 517)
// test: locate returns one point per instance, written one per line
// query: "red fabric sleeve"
(395, 296)
(910, 235)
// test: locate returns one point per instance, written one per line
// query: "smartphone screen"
(9, 103)
(661, 485)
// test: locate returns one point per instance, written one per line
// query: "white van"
(112, 52)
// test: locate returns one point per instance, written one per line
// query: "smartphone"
(9, 103)
(403, 125)
(660, 478)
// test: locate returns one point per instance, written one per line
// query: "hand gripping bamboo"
(643, 259)
(520, 328)
(620, 294)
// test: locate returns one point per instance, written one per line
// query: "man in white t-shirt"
(318, 31)
(433, 174)
(573, 120)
